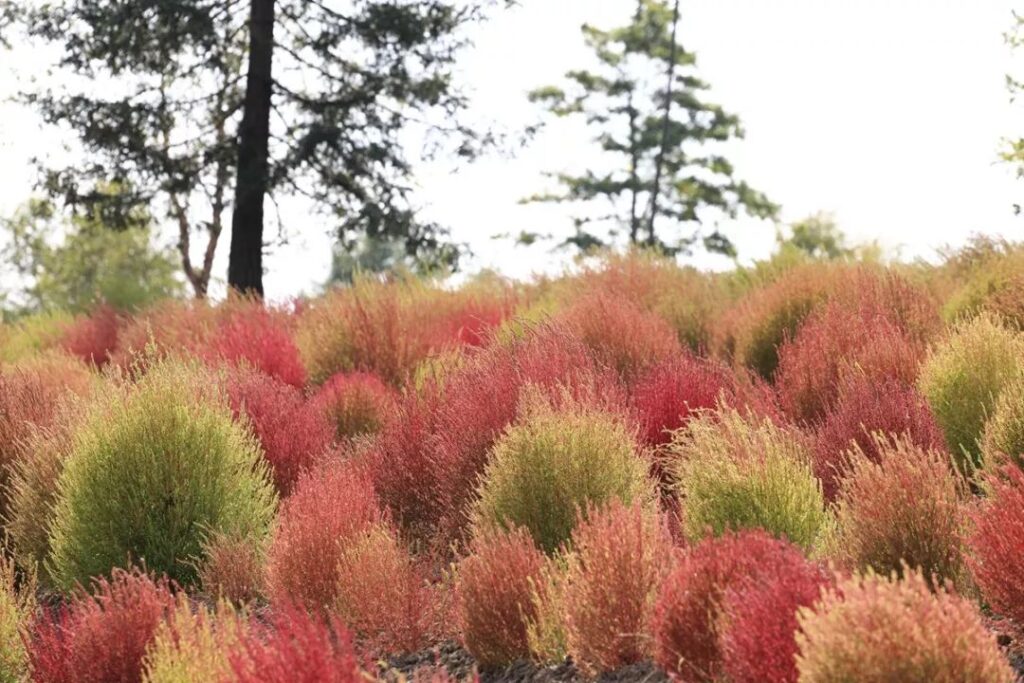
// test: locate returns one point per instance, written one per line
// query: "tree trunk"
(245, 262)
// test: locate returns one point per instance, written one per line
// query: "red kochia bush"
(330, 506)
(831, 344)
(249, 333)
(296, 648)
(759, 622)
(685, 625)
(494, 602)
(670, 392)
(620, 334)
(996, 543)
(93, 337)
(867, 405)
(292, 432)
(356, 403)
(620, 556)
(103, 637)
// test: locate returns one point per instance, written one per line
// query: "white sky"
(888, 113)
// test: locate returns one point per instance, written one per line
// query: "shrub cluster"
(996, 540)
(876, 629)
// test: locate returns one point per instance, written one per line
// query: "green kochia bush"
(150, 474)
(733, 472)
(552, 464)
(963, 377)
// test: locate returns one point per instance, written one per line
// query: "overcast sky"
(888, 113)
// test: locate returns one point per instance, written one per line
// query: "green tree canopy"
(211, 106)
(73, 265)
(650, 117)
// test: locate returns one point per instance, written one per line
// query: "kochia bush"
(733, 472)
(192, 644)
(249, 333)
(101, 637)
(963, 377)
(903, 509)
(17, 603)
(758, 622)
(686, 623)
(996, 542)
(875, 629)
(619, 557)
(330, 508)
(1003, 438)
(355, 403)
(494, 589)
(554, 462)
(150, 474)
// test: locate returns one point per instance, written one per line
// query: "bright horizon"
(887, 114)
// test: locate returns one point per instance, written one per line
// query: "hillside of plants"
(803, 470)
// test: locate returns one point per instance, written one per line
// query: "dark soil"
(460, 665)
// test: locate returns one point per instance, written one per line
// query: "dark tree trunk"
(245, 262)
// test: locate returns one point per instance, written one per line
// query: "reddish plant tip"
(93, 338)
(253, 335)
(996, 542)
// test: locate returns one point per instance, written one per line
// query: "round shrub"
(962, 378)
(169, 328)
(291, 432)
(619, 558)
(902, 509)
(737, 473)
(101, 637)
(150, 474)
(192, 645)
(494, 603)
(92, 338)
(758, 622)
(1003, 438)
(249, 333)
(686, 621)
(875, 630)
(32, 397)
(355, 403)
(996, 543)
(554, 462)
(867, 406)
(17, 604)
(297, 647)
(382, 594)
(671, 392)
(232, 570)
(329, 508)
(621, 335)
(831, 344)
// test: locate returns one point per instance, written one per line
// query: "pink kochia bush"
(867, 406)
(873, 629)
(297, 647)
(102, 637)
(355, 403)
(669, 393)
(619, 557)
(494, 591)
(92, 338)
(996, 543)
(758, 622)
(292, 432)
(687, 618)
(250, 333)
(329, 508)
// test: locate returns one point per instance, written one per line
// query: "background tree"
(645, 104)
(209, 106)
(72, 265)
(1013, 149)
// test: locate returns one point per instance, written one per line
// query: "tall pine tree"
(647, 108)
(208, 107)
